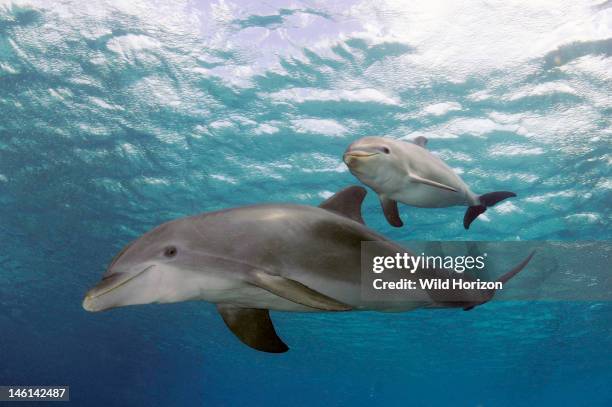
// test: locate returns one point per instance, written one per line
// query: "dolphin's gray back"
(290, 239)
(314, 246)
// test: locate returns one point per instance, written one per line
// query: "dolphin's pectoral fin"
(416, 178)
(420, 141)
(253, 327)
(295, 291)
(347, 202)
(391, 212)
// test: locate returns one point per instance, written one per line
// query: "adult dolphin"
(402, 171)
(252, 259)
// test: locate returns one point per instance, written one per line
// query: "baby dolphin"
(403, 171)
(253, 259)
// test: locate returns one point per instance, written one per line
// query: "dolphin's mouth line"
(121, 284)
(360, 154)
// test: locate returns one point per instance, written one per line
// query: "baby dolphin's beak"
(354, 153)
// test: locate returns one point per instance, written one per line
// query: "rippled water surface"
(118, 115)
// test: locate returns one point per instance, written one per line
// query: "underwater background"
(116, 116)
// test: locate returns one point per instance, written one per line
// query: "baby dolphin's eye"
(386, 150)
(170, 251)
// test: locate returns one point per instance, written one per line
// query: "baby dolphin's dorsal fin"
(420, 141)
(347, 202)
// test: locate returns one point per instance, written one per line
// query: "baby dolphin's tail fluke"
(486, 200)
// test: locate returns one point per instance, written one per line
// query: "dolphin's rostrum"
(253, 259)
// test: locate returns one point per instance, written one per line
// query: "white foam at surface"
(587, 217)
(224, 178)
(325, 194)
(439, 109)
(551, 195)
(325, 127)
(131, 42)
(265, 128)
(221, 124)
(8, 69)
(507, 207)
(548, 88)
(514, 150)
(598, 66)
(476, 126)
(301, 95)
(324, 163)
(103, 104)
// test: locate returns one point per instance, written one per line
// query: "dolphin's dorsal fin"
(420, 141)
(253, 327)
(347, 202)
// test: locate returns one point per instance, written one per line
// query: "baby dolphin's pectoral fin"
(416, 178)
(295, 291)
(391, 212)
(347, 202)
(253, 327)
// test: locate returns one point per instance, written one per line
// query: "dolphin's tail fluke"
(517, 269)
(504, 279)
(486, 200)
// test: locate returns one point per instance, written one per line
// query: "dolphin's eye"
(170, 251)
(385, 150)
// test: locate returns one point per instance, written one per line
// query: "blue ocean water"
(116, 116)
